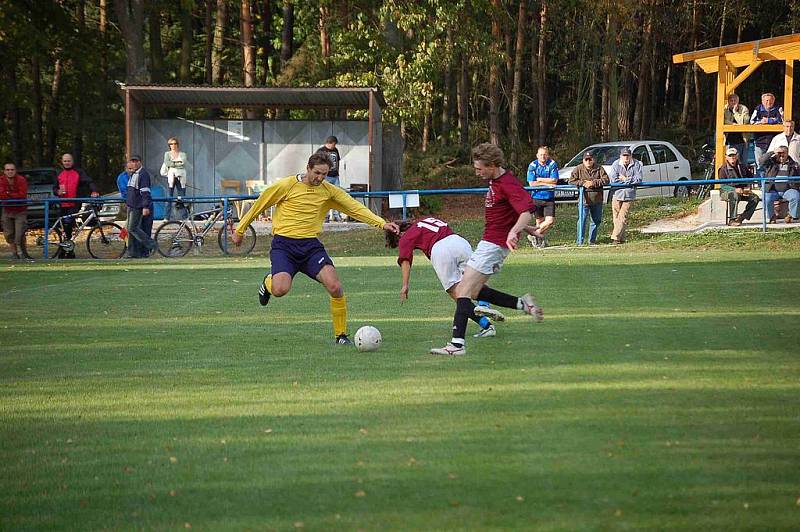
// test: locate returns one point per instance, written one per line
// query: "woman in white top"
(174, 169)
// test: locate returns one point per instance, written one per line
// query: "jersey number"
(432, 224)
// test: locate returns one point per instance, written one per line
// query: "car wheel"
(681, 191)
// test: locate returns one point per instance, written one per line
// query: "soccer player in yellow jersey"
(301, 203)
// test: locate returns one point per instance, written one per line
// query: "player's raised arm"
(355, 209)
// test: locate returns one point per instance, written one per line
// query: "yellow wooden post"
(788, 85)
(722, 101)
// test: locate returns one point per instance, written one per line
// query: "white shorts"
(488, 258)
(448, 257)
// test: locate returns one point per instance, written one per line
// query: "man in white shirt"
(788, 138)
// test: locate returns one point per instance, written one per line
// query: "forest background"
(520, 73)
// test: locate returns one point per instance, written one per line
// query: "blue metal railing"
(225, 200)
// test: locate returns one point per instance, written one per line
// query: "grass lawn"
(660, 392)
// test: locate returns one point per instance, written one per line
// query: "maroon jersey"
(505, 201)
(422, 235)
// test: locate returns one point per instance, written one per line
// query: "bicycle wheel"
(227, 246)
(174, 239)
(105, 241)
(33, 243)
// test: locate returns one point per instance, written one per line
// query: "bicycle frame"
(215, 215)
(59, 225)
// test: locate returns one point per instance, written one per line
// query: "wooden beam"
(722, 101)
(752, 128)
(743, 75)
(788, 86)
(731, 48)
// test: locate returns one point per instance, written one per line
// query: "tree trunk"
(494, 77)
(324, 35)
(722, 23)
(463, 101)
(426, 125)
(690, 74)
(640, 113)
(248, 52)
(219, 35)
(130, 14)
(513, 118)
(156, 50)
(102, 145)
(184, 71)
(209, 28)
(79, 71)
(624, 107)
(53, 110)
(15, 117)
(37, 111)
(287, 34)
(447, 89)
(542, 75)
(266, 41)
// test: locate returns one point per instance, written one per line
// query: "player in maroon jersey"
(508, 212)
(448, 253)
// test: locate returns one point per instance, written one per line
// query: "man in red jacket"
(73, 183)
(15, 217)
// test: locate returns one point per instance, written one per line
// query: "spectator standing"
(174, 170)
(135, 249)
(140, 206)
(14, 186)
(72, 183)
(736, 192)
(592, 177)
(543, 171)
(332, 152)
(788, 138)
(779, 164)
(736, 113)
(625, 171)
(765, 113)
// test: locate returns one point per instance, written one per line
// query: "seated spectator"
(765, 113)
(788, 138)
(738, 114)
(736, 192)
(779, 164)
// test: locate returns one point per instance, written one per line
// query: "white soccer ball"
(367, 338)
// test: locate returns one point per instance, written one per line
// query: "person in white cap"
(733, 193)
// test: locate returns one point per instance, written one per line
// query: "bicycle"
(706, 160)
(176, 238)
(106, 240)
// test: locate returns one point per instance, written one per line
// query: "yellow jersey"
(300, 209)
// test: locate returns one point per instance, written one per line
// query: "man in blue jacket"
(543, 171)
(140, 207)
(624, 171)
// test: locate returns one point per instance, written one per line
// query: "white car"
(661, 161)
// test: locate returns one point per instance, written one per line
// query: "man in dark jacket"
(330, 149)
(733, 193)
(593, 178)
(140, 205)
(780, 164)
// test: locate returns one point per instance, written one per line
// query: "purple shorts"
(292, 255)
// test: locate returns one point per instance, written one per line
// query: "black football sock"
(496, 297)
(464, 308)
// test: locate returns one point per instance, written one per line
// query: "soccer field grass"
(661, 392)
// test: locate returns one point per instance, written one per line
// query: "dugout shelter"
(726, 62)
(263, 150)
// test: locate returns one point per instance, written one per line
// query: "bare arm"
(405, 270)
(513, 235)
